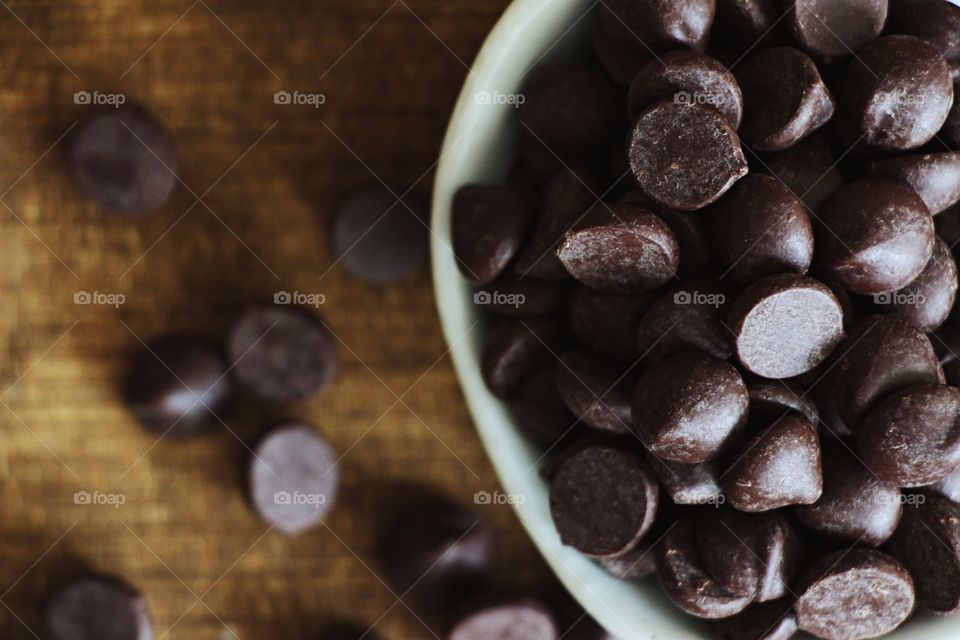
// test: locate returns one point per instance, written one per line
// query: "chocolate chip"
(691, 484)
(570, 107)
(489, 225)
(619, 53)
(766, 621)
(685, 156)
(621, 248)
(513, 620)
(688, 406)
(377, 236)
(176, 385)
(540, 411)
(778, 467)
(772, 399)
(949, 486)
(607, 322)
(595, 391)
(882, 355)
(603, 500)
(951, 128)
(752, 555)
(515, 347)
(785, 99)
(662, 25)
(927, 542)
(98, 608)
(281, 354)
(897, 93)
(935, 21)
(685, 580)
(125, 161)
(635, 564)
(857, 593)
(687, 77)
(294, 475)
(785, 325)
(833, 29)
(808, 169)
(934, 176)
(436, 555)
(743, 23)
(856, 506)
(689, 316)
(927, 301)
(912, 438)
(876, 237)
(761, 228)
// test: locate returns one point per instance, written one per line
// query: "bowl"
(479, 148)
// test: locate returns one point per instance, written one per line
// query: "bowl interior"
(479, 148)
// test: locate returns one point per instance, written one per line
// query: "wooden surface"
(269, 176)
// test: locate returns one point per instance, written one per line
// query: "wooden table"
(268, 176)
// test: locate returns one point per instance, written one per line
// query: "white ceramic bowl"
(479, 148)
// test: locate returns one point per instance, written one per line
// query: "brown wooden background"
(390, 71)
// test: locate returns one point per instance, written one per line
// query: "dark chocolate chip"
(927, 542)
(785, 99)
(663, 25)
(621, 248)
(742, 23)
(540, 411)
(785, 325)
(690, 484)
(949, 486)
(882, 355)
(760, 228)
(686, 407)
(833, 29)
(772, 399)
(685, 156)
(514, 620)
(489, 225)
(913, 438)
(687, 77)
(596, 391)
(603, 500)
(377, 236)
(935, 21)
(176, 385)
(124, 161)
(934, 176)
(876, 236)
(856, 506)
(689, 316)
(766, 621)
(897, 93)
(635, 564)
(808, 169)
(619, 53)
(282, 354)
(927, 301)
(294, 476)
(515, 347)
(951, 128)
(852, 594)
(98, 608)
(779, 466)
(607, 322)
(685, 580)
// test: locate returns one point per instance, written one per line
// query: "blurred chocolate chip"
(489, 225)
(98, 608)
(509, 620)
(619, 53)
(635, 564)
(540, 411)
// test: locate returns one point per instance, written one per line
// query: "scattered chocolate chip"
(779, 466)
(856, 593)
(176, 385)
(377, 236)
(125, 161)
(927, 301)
(685, 156)
(935, 21)
(691, 484)
(785, 98)
(807, 169)
(876, 236)
(688, 406)
(785, 325)
(515, 347)
(607, 322)
(603, 500)
(688, 316)
(281, 354)
(743, 23)
(540, 411)
(514, 620)
(663, 25)
(636, 564)
(595, 391)
(833, 29)
(489, 225)
(770, 400)
(294, 476)
(934, 176)
(619, 53)
(98, 608)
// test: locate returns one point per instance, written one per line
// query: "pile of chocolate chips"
(722, 285)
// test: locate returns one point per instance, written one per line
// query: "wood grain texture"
(269, 176)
